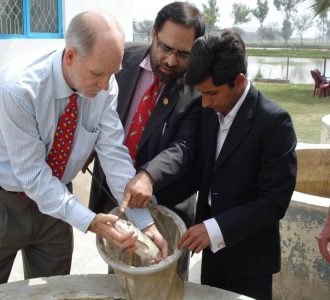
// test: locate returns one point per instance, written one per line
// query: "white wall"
(121, 10)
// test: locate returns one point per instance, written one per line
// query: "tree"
(323, 17)
(143, 27)
(302, 23)
(319, 6)
(211, 14)
(268, 33)
(261, 11)
(327, 26)
(287, 8)
(286, 30)
(241, 14)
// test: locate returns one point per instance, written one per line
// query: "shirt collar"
(145, 64)
(61, 88)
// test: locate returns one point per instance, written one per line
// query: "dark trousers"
(46, 242)
(259, 288)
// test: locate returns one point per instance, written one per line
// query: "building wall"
(122, 10)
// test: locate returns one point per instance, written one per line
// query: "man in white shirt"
(36, 208)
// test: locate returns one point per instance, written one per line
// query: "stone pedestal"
(325, 130)
(100, 287)
(305, 274)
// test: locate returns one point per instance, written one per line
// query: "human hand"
(88, 161)
(102, 225)
(323, 240)
(195, 238)
(138, 191)
(152, 232)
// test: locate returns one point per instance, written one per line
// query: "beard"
(156, 66)
(88, 92)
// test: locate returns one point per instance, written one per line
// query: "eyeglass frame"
(179, 55)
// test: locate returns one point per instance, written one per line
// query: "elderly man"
(54, 110)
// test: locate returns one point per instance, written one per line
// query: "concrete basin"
(105, 287)
(305, 274)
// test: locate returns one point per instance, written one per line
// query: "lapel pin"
(165, 101)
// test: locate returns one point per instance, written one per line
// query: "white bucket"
(160, 281)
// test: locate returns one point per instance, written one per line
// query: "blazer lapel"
(127, 78)
(164, 106)
(126, 92)
(208, 143)
(240, 127)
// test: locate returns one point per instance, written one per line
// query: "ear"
(69, 56)
(240, 80)
(153, 34)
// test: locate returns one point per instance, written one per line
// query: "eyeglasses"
(168, 51)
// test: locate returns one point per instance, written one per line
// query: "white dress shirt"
(212, 226)
(33, 95)
(146, 78)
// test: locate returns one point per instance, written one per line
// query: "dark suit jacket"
(252, 181)
(167, 147)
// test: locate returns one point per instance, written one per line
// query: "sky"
(147, 10)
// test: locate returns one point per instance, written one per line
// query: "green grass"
(284, 52)
(306, 111)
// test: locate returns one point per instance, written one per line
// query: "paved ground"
(86, 259)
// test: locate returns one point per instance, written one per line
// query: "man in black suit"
(248, 173)
(166, 150)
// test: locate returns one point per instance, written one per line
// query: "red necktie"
(141, 117)
(60, 152)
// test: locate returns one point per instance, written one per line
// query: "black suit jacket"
(252, 182)
(167, 147)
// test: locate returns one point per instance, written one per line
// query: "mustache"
(173, 68)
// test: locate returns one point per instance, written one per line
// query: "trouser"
(259, 288)
(46, 242)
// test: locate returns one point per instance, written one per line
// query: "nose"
(171, 59)
(206, 101)
(104, 84)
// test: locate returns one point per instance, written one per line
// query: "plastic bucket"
(160, 281)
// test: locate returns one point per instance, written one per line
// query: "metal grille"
(43, 16)
(11, 17)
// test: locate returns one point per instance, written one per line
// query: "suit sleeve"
(177, 158)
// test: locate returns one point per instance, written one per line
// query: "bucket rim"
(171, 259)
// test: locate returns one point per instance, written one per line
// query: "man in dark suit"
(248, 173)
(166, 149)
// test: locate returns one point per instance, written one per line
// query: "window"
(31, 19)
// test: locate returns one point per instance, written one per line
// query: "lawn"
(305, 110)
(305, 53)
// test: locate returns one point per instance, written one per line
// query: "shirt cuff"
(79, 216)
(215, 235)
(154, 200)
(140, 217)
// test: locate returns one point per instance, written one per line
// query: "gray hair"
(82, 31)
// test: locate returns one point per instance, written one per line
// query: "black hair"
(220, 55)
(182, 13)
